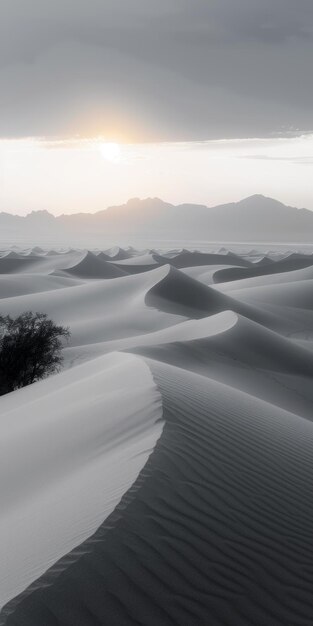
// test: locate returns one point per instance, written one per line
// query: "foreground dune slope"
(71, 446)
(217, 531)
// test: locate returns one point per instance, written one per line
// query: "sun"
(110, 151)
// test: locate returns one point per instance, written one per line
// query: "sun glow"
(110, 151)
(86, 173)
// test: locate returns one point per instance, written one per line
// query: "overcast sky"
(162, 80)
(160, 70)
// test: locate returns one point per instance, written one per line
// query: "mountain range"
(256, 218)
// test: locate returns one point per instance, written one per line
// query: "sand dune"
(261, 261)
(220, 525)
(291, 300)
(175, 292)
(10, 264)
(118, 254)
(205, 273)
(99, 310)
(91, 266)
(103, 256)
(267, 279)
(39, 263)
(191, 259)
(17, 285)
(165, 475)
(240, 353)
(12, 254)
(186, 331)
(298, 294)
(228, 348)
(50, 507)
(142, 259)
(290, 263)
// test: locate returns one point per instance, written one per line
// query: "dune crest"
(60, 504)
(91, 266)
(217, 516)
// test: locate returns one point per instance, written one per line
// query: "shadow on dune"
(91, 266)
(179, 294)
(216, 530)
(246, 356)
(196, 259)
(13, 264)
(291, 263)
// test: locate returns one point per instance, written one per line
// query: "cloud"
(155, 71)
(289, 159)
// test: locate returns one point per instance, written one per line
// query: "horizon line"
(153, 198)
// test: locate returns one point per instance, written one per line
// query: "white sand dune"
(221, 525)
(227, 348)
(268, 279)
(63, 473)
(261, 260)
(12, 264)
(205, 273)
(165, 475)
(99, 310)
(298, 294)
(290, 263)
(291, 300)
(192, 259)
(242, 354)
(92, 266)
(142, 259)
(39, 264)
(11, 254)
(118, 254)
(17, 285)
(181, 332)
(102, 255)
(175, 292)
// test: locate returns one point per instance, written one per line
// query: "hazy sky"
(142, 71)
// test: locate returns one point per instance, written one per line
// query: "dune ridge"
(177, 293)
(60, 504)
(291, 263)
(91, 266)
(217, 520)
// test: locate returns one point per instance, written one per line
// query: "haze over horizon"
(254, 202)
(101, 102)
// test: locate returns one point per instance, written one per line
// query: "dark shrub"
(30, 349)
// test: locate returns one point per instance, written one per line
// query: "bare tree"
(30, 349)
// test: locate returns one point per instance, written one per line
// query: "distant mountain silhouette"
(256, 218)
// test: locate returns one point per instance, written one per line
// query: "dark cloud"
(166, 70)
